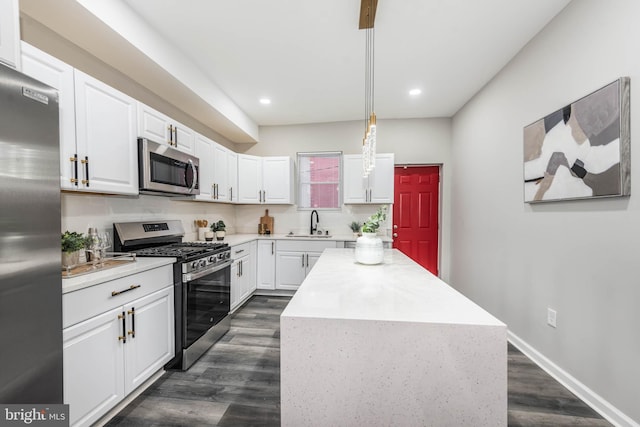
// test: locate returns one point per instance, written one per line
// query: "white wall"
(579, 258)
(414, 141)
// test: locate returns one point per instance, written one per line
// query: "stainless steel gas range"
(202, 282)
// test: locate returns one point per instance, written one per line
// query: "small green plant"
(355, 226)
(72, 241)
(218, 226)
(372, 224)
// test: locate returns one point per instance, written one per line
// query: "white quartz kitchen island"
(389, 344)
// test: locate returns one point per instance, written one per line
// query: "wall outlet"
(551, 317)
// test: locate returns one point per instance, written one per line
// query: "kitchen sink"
(310, 236)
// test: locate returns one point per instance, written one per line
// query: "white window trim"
(340, 179)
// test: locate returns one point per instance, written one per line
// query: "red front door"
(415, 214)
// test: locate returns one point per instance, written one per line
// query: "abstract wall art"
(582, 150)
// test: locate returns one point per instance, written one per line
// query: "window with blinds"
(319, 176)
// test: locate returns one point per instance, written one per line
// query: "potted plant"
(220, 229)
(71, 243)
(372, 224)
(369, 250)
(355, 227)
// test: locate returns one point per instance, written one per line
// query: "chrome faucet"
(313, 229)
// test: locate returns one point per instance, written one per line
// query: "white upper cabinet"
(265, 179)
(221, 173)
(162, 129)
(232, 176)
(277, 180)
(249, 179)
(377, 188)
(381, 179)
(107, 156)
(59, 75)
(9, 33)
(204, 152)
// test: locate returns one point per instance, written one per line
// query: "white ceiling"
(308, 57)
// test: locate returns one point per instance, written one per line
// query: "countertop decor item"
(369, 248)
(268, 221)
(202, 225)
(355, 227)
(372, 224)
(72, 243)
(220, 229)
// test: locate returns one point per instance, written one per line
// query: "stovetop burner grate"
(183, 251)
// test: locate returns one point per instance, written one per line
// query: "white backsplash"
(81, 211)
(288, 218)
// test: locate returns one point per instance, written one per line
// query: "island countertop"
(396, 290)
(388, 344)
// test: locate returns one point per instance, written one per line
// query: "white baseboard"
(591, 398)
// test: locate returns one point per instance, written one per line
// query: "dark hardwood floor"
(237, 383)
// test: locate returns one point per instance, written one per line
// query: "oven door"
(207, 300)
(163, 169)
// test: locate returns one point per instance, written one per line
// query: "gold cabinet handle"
(130, 288)
(123, 337)
(132, 313)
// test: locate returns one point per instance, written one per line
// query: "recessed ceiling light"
(415, 92)
(265, 101)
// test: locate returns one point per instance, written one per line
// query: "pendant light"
(367, 18)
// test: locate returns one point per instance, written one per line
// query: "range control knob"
(194, 264)
(203, 263)
(212, 258)
(221, 256)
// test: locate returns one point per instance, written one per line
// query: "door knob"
(395, 234)
(395, 227)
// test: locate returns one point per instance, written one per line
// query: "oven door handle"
(193, 276)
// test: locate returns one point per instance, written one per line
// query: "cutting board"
(267, 220)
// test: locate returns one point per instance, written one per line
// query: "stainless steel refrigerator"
(30, 278)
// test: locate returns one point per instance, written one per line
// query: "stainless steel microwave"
(165, 170)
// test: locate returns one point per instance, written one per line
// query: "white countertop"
(397, 290)
(143, 264)
(101, 276)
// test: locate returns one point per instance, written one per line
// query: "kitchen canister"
(201, 233)
(369, 249)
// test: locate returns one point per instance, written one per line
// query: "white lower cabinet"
(93, 367)
(108, 354)
(243, 273)
(266, 271)
(295, 259)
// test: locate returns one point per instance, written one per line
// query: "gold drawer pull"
(130, 288)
